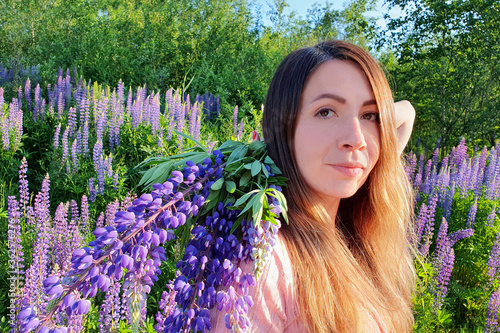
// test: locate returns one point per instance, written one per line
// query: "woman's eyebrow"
(341, 99)
(331, 96)
(370, 102)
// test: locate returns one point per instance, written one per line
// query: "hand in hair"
(405, 116)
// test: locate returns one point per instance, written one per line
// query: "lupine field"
(71, 184)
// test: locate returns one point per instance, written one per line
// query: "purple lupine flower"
(443, 260)
(24, 194)
(75, 215)
(111, 210)
(72, 122)
(101, 118)
(129, 103)
(197, 129)
(489, 174)
(65, 148)
(74, 155)
(492, 314)
(108, 167)
(136, 114)
(428, 170)
(56, 136)
(84, 217)
(494, 261)
(79, 95)
(97, 154)
(2, 100)
(411, 165)
(15, 261)
(471, 217)
(127, 202)
(235, 121)
(78, 139)
(67, 83)
(85, 139)
(38, 100)
(92, 190)
(110, 313)
(420, 224)
(217, 105)
(59, 235)
(240, 130)
(20, 97)
(459, 235)
(36, 274)
(100, 176)
(112, 121)
(27, 94)
(60, 106)
(100, 221)
(459, 154)
(5, 133)
(428, 229)
(51, 110)
(155, 114)
(115, 182)
(490, 221)
(448, 202)
(169, 101)
(16, 122)
(192, 119)
(171, 123)
(146, 109)
(121, 92)
(166, 306)
(179, 112)
(42, 110)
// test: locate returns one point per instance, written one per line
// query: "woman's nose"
(352, 135)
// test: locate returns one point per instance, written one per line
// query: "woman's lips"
(349, 169)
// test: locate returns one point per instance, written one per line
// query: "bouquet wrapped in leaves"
(222, 207)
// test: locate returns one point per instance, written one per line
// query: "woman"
(343, 263)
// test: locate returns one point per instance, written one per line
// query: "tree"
(448, 67)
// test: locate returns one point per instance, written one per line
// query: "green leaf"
(230, 186)
(217, 185)
(257, 207)
(236, 224)
(255, 168)
(213, 199)
(249, 204)
(248, 166)
(155, 173)
(268, 160)
(264, 170)
(237, 154)
(275, 169)
(245, 178)
(244, 198)
(257, 146)
(189, 137)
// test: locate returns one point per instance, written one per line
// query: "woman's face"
(337, 137)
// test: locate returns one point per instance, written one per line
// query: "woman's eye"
(372, 116)
(325, 113)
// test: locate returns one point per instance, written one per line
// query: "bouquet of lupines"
(223, 207)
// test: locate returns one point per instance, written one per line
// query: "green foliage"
(448, 67)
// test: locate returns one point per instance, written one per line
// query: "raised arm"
(405, 116)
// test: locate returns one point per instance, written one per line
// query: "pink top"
(275, 308)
